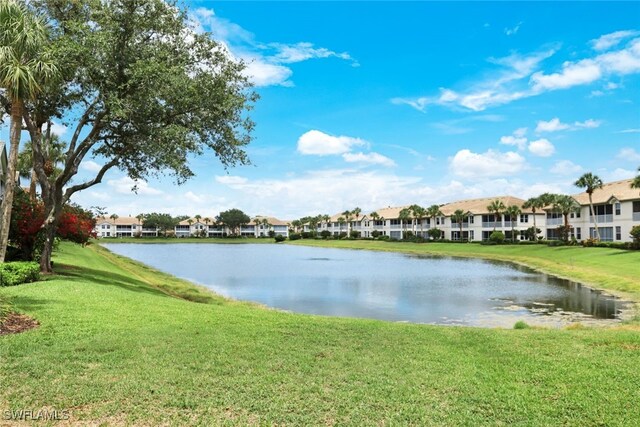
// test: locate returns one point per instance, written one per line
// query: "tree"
(404, 216)
(636, 181)
(25, 67)
(347, 218)
(433, 212)
(234, 219)
(590, 183)
(142, 92)
(326, 218)
(496, 207)
(458, 218)
(356, 213)
(418, 213)
(54, 158)
(565, 205)
(160, 221)
(341, 221)
(534, 203)
(114, 216)
(513, 211)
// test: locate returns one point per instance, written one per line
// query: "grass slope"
(613, 269)
(117, 346)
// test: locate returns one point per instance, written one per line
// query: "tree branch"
(98, 179)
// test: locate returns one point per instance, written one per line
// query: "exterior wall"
(608, 223)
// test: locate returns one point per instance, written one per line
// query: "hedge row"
(19, 272)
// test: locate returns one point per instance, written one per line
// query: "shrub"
(435, 233)
(294, 236)
(306, 234)
(272, 233)
(325, 234)
(17, 273)
(635, 233)
(375, 234)
(354, 234)
(521, 324)
(384, 238)
(497, 237)
(342, 235)
(531, 233)
(588, 242)
(280, 238)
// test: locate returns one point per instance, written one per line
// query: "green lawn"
(118, 346)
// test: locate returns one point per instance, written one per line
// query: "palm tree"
(418, 213)
(534, 203)
(356, 212)
(458, 218)
(24, 70)
(590, 183)
(404, 216)
(496, 207)
(326, 219)
(114, 217)
(636, 181)
(53, 153)
(513, 211)
(565, 205)
(347, 217)
(341, 221)
(433, 212)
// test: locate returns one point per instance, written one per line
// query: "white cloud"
(262, 73)
(319, 143)
(607, 41)
(566, 168)
(513, 30)
(520, 77)
(56, 128)
(629, 131)
(618, 174)
(572, 74)
(468, 164)
(124, 185)
(541, 147)
(265, 61)
(555, 125)
(588, 124)
(231, 180)
(517, 139)
(552, 125)
(368, 158)
(90, 166)
(629, 154)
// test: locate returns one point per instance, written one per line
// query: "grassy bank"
(117, 345)
(613, 269)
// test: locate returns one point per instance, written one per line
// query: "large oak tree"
(142, 92)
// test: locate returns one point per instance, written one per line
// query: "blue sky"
(373, 104)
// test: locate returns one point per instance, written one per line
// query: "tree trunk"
(595, 220)
(32, 186)
(47, 249)
(7, 201)
(535, 229)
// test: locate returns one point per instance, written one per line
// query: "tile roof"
(621, 190)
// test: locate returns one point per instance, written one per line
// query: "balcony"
(555, 221)
(395, 226)
(509, 224)
(602, 219)
(492, 224)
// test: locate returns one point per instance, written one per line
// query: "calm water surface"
(379, 285)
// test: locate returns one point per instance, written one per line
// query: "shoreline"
(630, 306)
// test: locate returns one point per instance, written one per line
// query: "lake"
(378, 285)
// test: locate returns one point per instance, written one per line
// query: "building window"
(471, 222)
(524, 218)
(578, 233)
(617, 206)
(618, 233)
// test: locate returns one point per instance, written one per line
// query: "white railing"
(602, 218)
(492, 224)
(555, 221)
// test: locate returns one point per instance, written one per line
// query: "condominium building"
(616, 210)
(126, 226)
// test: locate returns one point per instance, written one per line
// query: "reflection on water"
(379, 285)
